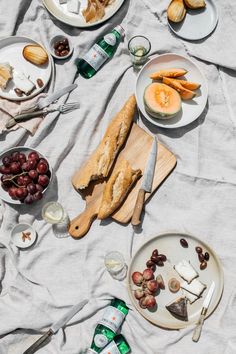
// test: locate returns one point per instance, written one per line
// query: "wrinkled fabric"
(40, 284)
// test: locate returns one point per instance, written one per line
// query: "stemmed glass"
(55, 214)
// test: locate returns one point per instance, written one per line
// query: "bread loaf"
(100, 163)
(118, 186)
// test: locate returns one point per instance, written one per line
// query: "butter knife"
(206, 303)
(55, 327)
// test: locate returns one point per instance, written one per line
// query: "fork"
(64, 108)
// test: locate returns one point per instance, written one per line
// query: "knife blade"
(206, 303)
(55, 327)
(146, 186)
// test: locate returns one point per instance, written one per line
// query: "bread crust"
(118, 186)
(101, 161)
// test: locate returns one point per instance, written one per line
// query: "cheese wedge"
(186, 270)
(22, 82)
(196, 287)
(190, 297)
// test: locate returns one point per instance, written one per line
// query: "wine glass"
(55, 214)
(115, 265)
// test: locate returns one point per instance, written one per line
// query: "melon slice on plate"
(184, 92)
(173, 72)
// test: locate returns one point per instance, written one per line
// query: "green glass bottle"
(119, 345)
(108, 326)
(100, 52)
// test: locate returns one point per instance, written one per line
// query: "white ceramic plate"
(11, 52)
(169, 244)
(77, 20)
(3, 194)
(191, 109)
(16, 235)
(198, 23)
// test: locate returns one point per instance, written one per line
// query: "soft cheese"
(186, 270)
(73, 6)
(190, 297)
(196, 287)
(22, 82)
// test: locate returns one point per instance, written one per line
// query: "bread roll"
(100, 163)
(118, 186)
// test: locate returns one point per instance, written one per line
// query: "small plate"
(11, 52)
(16, 235)
(77, 20)
(57, 39)
(191, 109)
(198, 23)
(169, 244)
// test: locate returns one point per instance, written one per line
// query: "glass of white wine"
(55, 214)
(139, 48)
(115, 265)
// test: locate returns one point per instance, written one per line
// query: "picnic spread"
(117, 167)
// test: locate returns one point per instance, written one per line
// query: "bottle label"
(110, 39)
(112, 318)
(100, 340)
(111, 349)
(96, 56)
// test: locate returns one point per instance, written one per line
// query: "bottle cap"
(120, 30)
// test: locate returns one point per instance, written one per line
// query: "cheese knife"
(40, 104)
(146, 186)
(55, 327)
(206, 303)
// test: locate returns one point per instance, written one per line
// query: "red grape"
(21, 158)
(137, 278)
(148, 274)
(142, 303)
(6, 180)
(33, 156)
(27, 180)
(38, 196)
(42, 167)
(43, 160)
(21, 193)
(14, 156)
(150, 301)
(138, 294)
(15, 167)
(12, 192)
(5, 170)
(6, 161)
(32, 164)
(25, 166)
(39, 188)
(4, 187)
(29, 199)
(31, 187)
(33, 174)
(20, 181)
(43, 180)
(152, 285)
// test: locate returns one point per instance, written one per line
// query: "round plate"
(3, 194)
(198, 23)
(77, 20)
(169, 244)
(11, 52)
(191, 109)
(16, 235)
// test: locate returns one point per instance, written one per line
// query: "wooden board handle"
(138, 208)
(80, 225)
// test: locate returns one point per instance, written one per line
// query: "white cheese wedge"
(186, 270)
(190, 297)
(196, 287)
(22, 82)
(62, 1)
(73, 6)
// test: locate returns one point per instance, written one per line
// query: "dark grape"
(15, 167)
(27, 180)
(42, 167)
(6, 161)
(38, 195)
(32, 164)
(5, 170)
(31, 187)
(21, 193)
(21, 158)
(6, 180)
(14, 156)
(43, 180)
(20, 181)
(29, 199)
(12, 192)
(25, 166)
(39, 187)
(33, 156)
(155, 253)
(33, 174)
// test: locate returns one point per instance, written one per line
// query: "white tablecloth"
(39, 285)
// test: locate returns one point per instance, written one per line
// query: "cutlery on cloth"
(56, 326)
(146, 186)
(206, 303)
(64, 108)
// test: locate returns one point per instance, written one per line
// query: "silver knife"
(40, 104)
(55, 327)
(206, 303)
(146, 186)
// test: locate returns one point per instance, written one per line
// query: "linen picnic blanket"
(38, 285)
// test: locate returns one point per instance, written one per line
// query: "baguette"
(118, 186)
(100, 163)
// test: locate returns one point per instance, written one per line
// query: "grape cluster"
(24, 177)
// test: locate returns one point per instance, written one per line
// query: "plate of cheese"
(25, 68)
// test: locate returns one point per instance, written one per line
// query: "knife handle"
(198, 329)
(138, 208)
(38, 343)
(27, 116)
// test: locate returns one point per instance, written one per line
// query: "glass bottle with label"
(108, 326)
(100, 52)
(119, 345)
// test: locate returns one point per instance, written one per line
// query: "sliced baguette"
(118, 186)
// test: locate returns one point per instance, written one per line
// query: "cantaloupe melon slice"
(188, 84)
(161, 101)
(184, 92)
(173, 72)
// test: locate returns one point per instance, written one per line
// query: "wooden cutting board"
(136, 151)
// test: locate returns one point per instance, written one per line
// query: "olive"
(153, 268)
(155, 252)
(67, 47)
(198, 249)
(60, 48)
(65, 41)
(57, 53)
(203, 265)
(160, 263)
(150, 263)
(40, 82)
(162, 257)
(206, 256)
(201, 257)
(183, 243)
(64, 53)
(18, 92)
(56, 45)
(154, 259)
